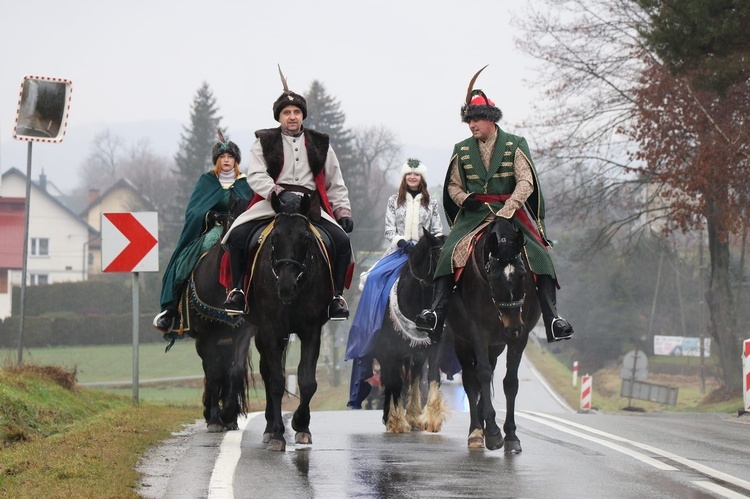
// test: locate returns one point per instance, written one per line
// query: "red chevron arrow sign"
(130, 242)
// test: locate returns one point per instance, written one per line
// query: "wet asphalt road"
(565, 454)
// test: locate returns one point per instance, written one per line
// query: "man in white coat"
(289, 160)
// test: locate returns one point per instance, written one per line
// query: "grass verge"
(606, 388)
(61, 440)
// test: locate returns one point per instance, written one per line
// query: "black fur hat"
(480, 108)
(289, 98)
(224, 146)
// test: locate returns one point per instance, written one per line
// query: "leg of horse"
(510, 388)
(310, 350)
(235, 401)
(206, 349)
(471, 387)
(393, 384)
(273, 378)
(493, 435)
(435, 411)
(414, 401)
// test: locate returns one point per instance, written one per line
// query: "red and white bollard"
(586, 382)
(575, 373)
(746, 375)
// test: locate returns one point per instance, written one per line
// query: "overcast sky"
(136, 65)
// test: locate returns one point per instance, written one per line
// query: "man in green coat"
(491, 174)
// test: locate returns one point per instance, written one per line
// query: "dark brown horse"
(494, 307)
(404, 352)
(289, 292)
(222, 341)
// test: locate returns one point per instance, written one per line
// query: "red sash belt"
(520, 215)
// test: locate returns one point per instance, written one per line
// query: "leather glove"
(216, 217)
(346, 223)
(405, 245)
(472, 203)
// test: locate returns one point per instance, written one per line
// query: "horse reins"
(483, 275)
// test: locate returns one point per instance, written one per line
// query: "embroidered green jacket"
(499, 178)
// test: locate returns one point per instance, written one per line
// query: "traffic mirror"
(43, 107)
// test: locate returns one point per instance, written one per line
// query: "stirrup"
(560, 330)
(338, 310)
(160, 322)
(426, 320)
(233, 304)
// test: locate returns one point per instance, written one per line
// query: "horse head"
(424, 256)
(292, 245)
(506, 271)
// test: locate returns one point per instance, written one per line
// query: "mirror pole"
(25, 254)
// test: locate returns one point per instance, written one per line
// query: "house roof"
(122, 183)
(43, 192)
(11, 232)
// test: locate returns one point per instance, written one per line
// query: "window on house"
(38, 279)
(39, 246)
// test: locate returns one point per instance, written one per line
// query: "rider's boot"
(235, 302)
(164, 320)
(555, 326)
(338, 310)
(432, 319)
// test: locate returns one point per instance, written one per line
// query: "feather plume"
(471, 86)
(283, 79)
(221, 136)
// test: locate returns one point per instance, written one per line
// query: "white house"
(58, 238)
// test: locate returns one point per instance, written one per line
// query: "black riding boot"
(555, 326)
(235, 302)
(338, 310)
(433, 318)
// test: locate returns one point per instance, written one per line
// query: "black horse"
(495, 305)
(404, 352)
(289, 292)
(222, 341)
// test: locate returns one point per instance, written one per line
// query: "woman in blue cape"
(406, 213)
(206, 209)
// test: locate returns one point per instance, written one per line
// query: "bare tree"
(377, 154)
(99, 170)
(636, 148)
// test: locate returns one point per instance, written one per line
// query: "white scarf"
(226, 178)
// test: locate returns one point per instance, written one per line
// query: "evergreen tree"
(324, 115)
(193, 157)
(713, 54)
(365, 159)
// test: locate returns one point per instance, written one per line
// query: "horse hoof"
(512, 447)
(493, 442)
(266, 438)
(303, 437)
(276, 445)
(476, 439)
(233, 426)
(215, 428)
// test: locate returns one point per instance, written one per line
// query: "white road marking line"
(546, 386)
(721, 491)
(636, 455)
(222, 477)
(719, 475)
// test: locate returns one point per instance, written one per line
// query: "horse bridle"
(290, 261)
(499, 261)
(423, 282)
(503, 304)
